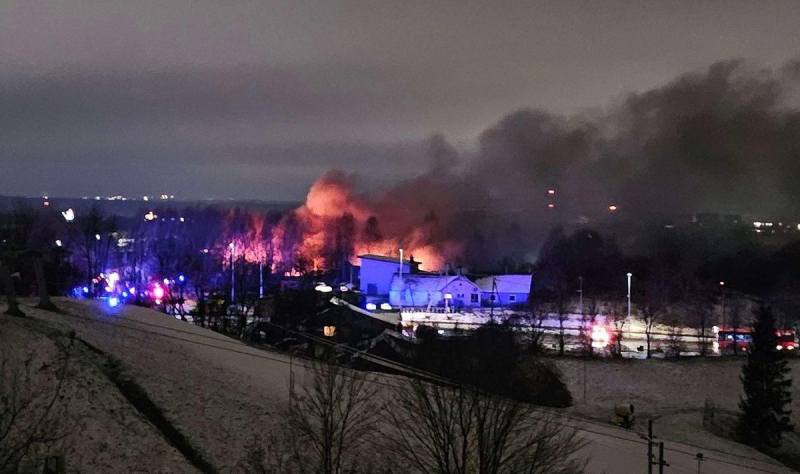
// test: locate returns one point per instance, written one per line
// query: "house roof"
(430, 283)
(383, 258)
(506, 283)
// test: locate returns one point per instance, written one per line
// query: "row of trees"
(339, 416)
(680, 278)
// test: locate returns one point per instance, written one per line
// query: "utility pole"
(629, 295)
(651, 461)
(232, 246)
(260, 279)
(400, 299)
(661, 461)
(649, 445)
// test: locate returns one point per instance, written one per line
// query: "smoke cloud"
(725, 139)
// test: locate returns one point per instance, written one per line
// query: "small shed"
(505, 290)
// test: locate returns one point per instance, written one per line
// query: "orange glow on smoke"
(333, 222)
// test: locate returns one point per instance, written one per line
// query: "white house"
(506, 289)
(431, 290)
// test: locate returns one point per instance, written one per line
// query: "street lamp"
(722, 289)
(400, 298)
(233, 258)
(629, 294)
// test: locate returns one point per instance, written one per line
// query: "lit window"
(329, 331)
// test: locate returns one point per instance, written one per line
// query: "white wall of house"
(508, 289)
(423, 290)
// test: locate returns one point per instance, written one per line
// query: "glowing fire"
(337, 223)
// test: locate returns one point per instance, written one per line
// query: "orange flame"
(332, 224)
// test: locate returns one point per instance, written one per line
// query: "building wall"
(460, 289)
(377, 275)
(504, 299)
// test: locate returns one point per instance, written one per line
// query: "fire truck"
(739, 339)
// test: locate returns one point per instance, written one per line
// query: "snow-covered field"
(221, 393)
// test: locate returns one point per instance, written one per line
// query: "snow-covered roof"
(383, 258)
(506, 283)
(421, 282)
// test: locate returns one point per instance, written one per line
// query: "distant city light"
(344, 288)
(323, 288)
(150, 216)
(551, 205)
(69, 215)
(551, 191)
(181, 278)
(372, 306)
(182, 219)
(145, 198)
(124, 294)
(85, 289)
(47, 203)
(113, 301)
(97, 236)
(386, 306)
(58, 243)
(158, 293)
(612, 208)
(166, 281)
(205, 250)
(133, 290)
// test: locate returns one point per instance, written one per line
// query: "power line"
(373, 380)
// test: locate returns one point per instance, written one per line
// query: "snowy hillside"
(220, 394)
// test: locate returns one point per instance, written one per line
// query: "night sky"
(258, 99)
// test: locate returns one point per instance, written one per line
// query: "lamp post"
(400, 298)
(233, 258)
(629, 294)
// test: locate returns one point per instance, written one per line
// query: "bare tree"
(30, 411)
(701, 307)
(8, 283)
(333, 417)
(618, 319)
(653, 308)
(457, 430)
(536, 317)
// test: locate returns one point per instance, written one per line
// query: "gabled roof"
(382, 258)
(427, 282)
(506, 283)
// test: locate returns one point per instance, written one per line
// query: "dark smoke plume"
(725, 139)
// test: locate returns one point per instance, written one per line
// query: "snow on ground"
(221, 393)
(672, 392)
(218, 398)
(104, 433)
